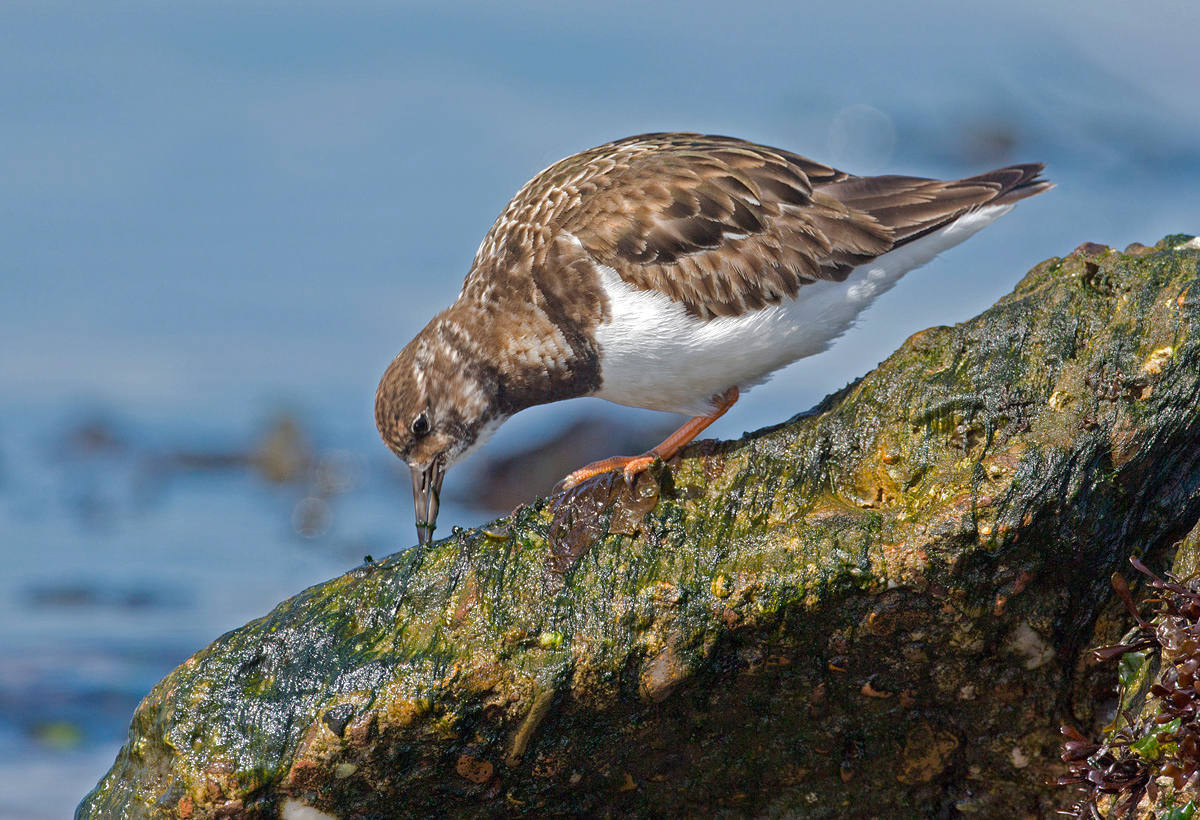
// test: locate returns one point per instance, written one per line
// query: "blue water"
(213, 215)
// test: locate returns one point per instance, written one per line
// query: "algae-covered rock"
(881, 608)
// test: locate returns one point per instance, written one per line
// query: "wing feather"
(722, 225)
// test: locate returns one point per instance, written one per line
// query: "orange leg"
(632, 465)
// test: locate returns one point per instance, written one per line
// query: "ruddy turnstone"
(666, 271)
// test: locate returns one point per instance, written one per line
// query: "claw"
(636, 466)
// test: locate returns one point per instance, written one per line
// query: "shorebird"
(667, 271)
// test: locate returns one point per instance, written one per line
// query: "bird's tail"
(913, 207)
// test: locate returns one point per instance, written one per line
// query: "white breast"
(654, 355)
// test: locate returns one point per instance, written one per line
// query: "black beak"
(427, 488)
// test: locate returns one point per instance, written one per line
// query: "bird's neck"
(522, 357)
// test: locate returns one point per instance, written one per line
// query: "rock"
(881, 608)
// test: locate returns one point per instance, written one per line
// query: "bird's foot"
(631, 466)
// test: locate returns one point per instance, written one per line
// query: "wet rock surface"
(881, 608)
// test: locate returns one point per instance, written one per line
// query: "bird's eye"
(420, 425)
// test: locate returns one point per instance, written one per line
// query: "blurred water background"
(220, 221)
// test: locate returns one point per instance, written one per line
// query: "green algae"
(875, 609)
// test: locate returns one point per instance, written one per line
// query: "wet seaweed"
(1118, 772)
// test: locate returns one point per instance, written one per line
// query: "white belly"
(654, 355)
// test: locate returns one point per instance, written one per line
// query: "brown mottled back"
(722, 225)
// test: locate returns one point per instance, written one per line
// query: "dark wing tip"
(1016, 182)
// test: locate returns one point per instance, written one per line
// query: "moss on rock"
(880, 608)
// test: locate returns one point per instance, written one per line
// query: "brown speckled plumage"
(718, 225)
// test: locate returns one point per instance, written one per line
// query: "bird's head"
(432, 411)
